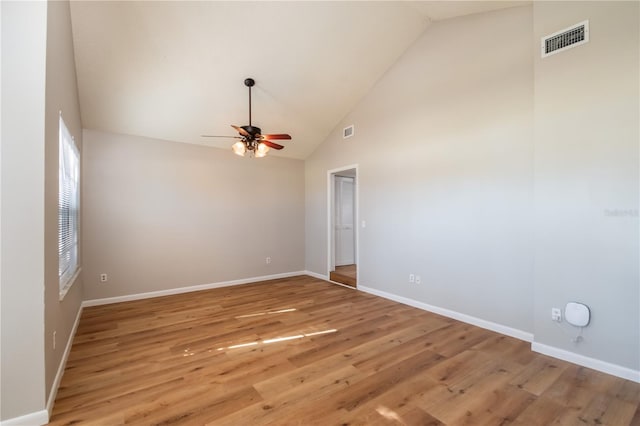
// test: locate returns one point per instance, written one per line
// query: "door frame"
(331, 253)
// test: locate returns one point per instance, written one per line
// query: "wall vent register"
(347, 132)
(565, 39)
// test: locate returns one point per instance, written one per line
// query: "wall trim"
(36, 418)
(189, 289)
(63, 363)
(572, 357)
(498, 328)
(585, 361)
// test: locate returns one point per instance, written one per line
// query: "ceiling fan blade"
(271, 144)
(242, 131)
(215, 136)
(280, 136)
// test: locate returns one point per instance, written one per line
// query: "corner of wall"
(61, 98)
(24, 35)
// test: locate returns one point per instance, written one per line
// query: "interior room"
(320, 212)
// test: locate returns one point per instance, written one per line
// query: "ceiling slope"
(175, 70)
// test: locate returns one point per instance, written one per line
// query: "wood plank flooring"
(300, 351)
(345, 274)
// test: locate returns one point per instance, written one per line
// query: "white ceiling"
(175, 70)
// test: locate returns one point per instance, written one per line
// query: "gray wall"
(508, 201)
(22, 389)
(586, 181)
(445, 152)
(161, 215)
(61, 95)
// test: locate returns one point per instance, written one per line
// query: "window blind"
(68, 206)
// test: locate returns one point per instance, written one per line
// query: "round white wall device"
(577, 314)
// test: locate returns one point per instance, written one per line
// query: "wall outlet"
(268, 260)
(104, 278)
(412, 278)
(54, 340)
(556, 315)
(418, 280)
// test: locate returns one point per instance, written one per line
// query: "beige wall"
(22, 389)
(161, 215)
(61, 95)
(587, 179)
(444, 147)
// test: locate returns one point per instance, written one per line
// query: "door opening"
(342, 226)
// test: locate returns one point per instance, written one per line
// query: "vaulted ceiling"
(175, 70)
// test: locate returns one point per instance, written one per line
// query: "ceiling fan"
(251, 138)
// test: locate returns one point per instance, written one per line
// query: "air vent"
(347, 132)
(565, 39)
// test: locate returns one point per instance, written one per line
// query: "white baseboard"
(585, 361)
(36, 418)
(180, 290)
(595, 364)
(498, 328)
(42, 417)
(63, 363)
(316, 275)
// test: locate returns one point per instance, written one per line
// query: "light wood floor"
(300, 351)
(345, 274)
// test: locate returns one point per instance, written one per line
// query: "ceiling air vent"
(565, 39)
(347, 132)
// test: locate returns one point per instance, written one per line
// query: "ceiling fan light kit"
(251, 138)
(239, 148)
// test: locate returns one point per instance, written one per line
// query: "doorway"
(342, 225)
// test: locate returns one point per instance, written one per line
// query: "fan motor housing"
(252, 130)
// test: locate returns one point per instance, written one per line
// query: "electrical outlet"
(412, 278)
(268, 260)
(418, 280)
(104, 278)
(556, 315)
(54, 340)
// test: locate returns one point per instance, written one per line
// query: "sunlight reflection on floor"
(189, 352)
(279, 339)
(389, 414)
(281, 311)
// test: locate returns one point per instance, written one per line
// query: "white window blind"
(68, 207)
